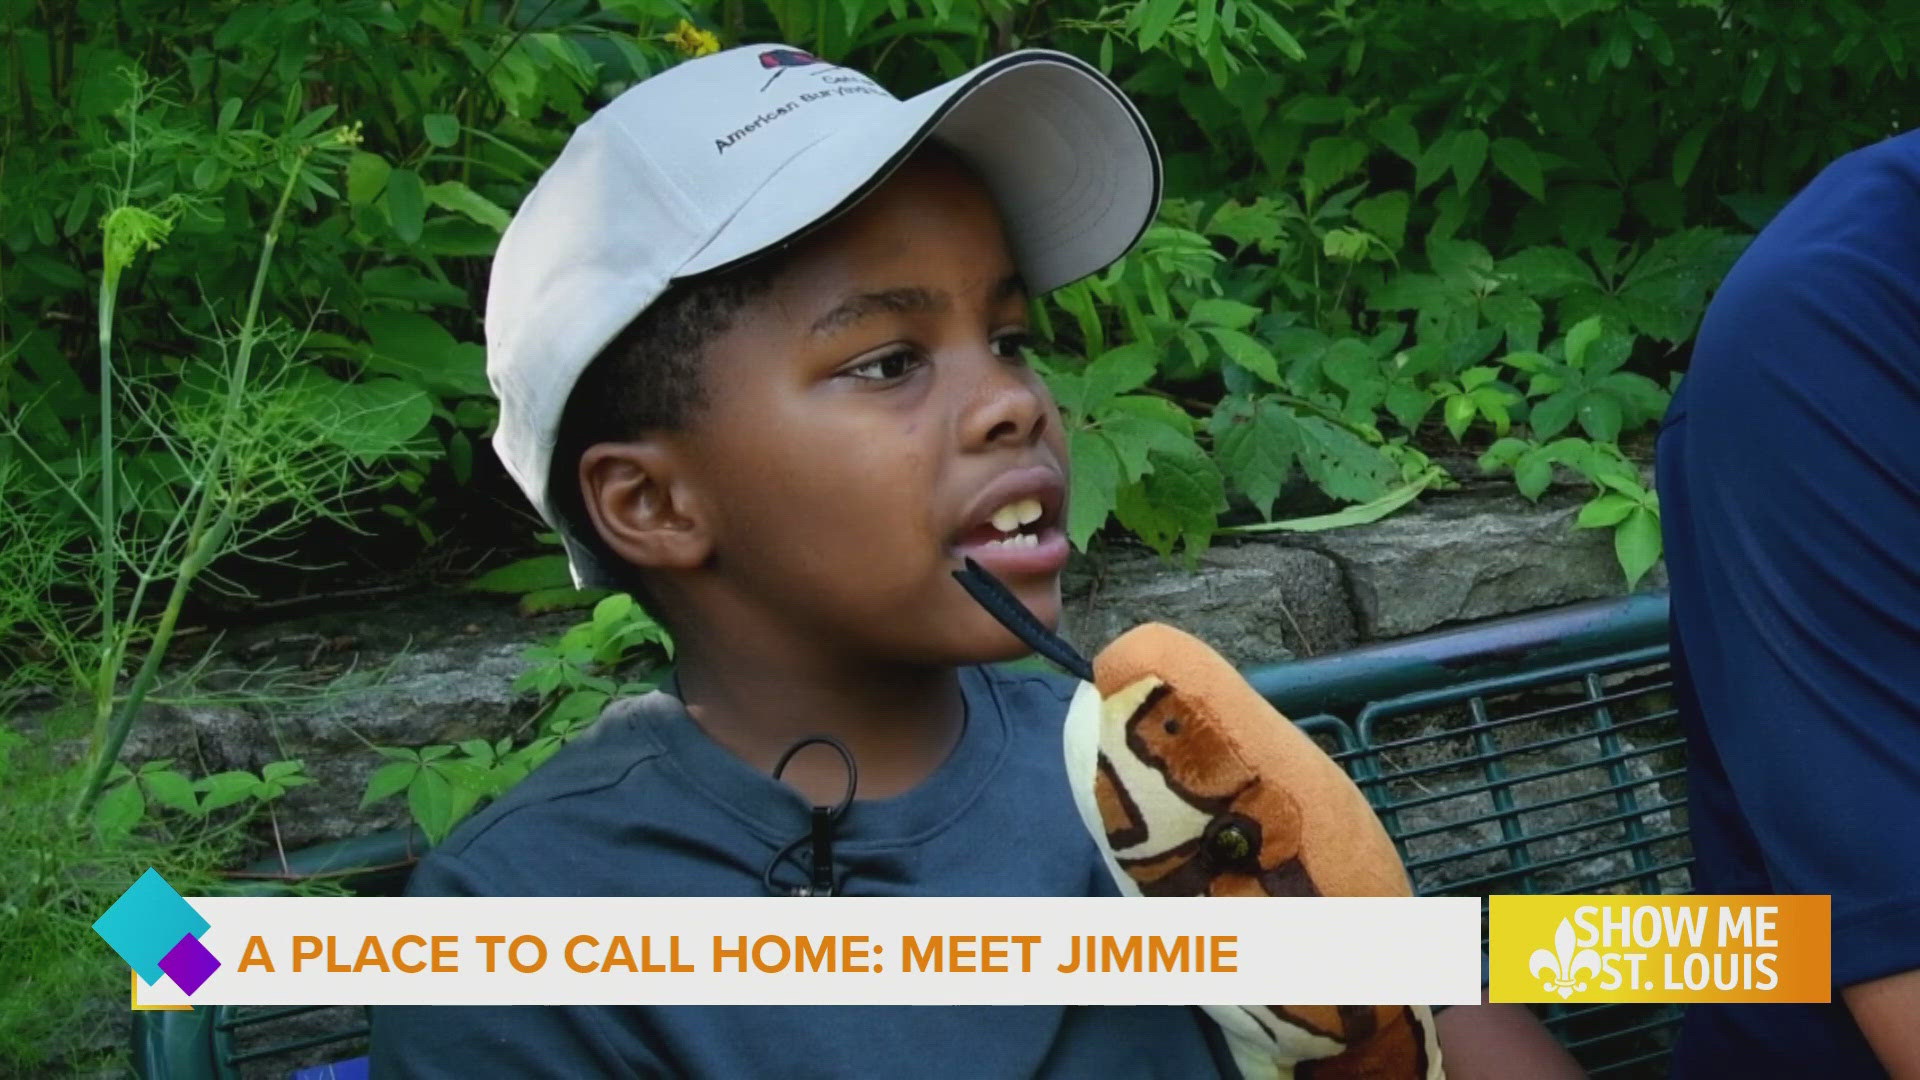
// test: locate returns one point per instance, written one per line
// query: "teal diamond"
(146, 922)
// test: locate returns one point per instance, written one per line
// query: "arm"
(1888, 1012)
(1791, 507)
(1492, 1042)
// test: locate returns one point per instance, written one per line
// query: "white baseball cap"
(725, 157)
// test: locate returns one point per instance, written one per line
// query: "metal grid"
(1569, 779)
(244, 1035)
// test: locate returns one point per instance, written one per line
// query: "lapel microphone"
(822, 821)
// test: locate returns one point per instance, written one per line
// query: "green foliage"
(64, 990)
(574, 677)
(1370, 205)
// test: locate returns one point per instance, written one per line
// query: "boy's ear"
(644, 504)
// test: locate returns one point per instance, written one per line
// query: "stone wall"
(436, 669)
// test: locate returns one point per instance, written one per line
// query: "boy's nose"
(1006, 404)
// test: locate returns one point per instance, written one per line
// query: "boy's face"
(867, 419)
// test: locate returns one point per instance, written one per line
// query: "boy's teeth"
(1015, 514)
(1017, 540)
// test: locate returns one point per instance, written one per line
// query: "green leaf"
(1332, 158)
(1246, 352)
(1581, 337)
(407, 283)
(283, 770)
(1516, 161)
(461, 199)
(1156, 16)
(224, 789)
(1435, 161)
(1460, 412)
(1115, 372)
(1641, 395)
(371, 418)
(1754, 86)
(1467, 156)
(1281, 39)
(1385, 216)
(1503, 452)
(1342, 464)
(367, 176)
(430, 801)
(1550, 417)
(1346, 245)
(443, 129)
(119, 809)
(172, 790)
(388, 780)
(1095, 478)
(414, 347)
(525, 576)
(1600, 416)
(1397, 134)
(577, 706)
(1362, 514)
(406, 204)
(1636, 543)
(1135, 438)
(1408, 404)
(1607, 509)
(1532, 473)
(1256, 442)
(1179, 502)
(1310, 109)
(1520, 316)
(1549, 272)
(1217, 311)
(229, 111)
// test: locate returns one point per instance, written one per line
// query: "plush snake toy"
(1193, 785)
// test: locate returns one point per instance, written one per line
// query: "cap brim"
(1068, 159)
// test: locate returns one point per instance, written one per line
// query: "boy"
(757, 341)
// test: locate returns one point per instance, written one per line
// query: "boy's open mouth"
(1014, 526)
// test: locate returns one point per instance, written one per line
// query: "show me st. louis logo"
(1561, 970)
(157, 932)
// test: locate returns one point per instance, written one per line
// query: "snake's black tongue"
(1000, 602)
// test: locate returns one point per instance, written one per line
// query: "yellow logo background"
(1660, 948)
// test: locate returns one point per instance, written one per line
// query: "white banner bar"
(838, 951)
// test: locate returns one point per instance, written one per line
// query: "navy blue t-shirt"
(1789, 480)
(646, 804)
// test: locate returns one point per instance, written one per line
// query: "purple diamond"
(189, 964)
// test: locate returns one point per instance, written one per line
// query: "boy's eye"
(887, 367)
(1013, 344)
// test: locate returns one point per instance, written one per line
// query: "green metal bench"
(1536, 754)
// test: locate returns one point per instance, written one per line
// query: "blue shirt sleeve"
(1789, 478)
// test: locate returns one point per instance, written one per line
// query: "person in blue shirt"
(757, 339)
(1789, 479)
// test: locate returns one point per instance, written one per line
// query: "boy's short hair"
(664, 205)
(650, 377)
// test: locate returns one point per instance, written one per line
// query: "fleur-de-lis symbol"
(1563, 966)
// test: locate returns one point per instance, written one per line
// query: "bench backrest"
(1538, 754)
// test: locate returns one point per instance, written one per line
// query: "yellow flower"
(693, 41)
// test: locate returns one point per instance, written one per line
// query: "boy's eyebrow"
(904, 302)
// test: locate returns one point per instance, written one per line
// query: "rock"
(1461, 558)
(1255, 603)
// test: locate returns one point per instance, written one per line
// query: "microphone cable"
(824, 820)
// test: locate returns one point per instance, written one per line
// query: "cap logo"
(779, 60)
